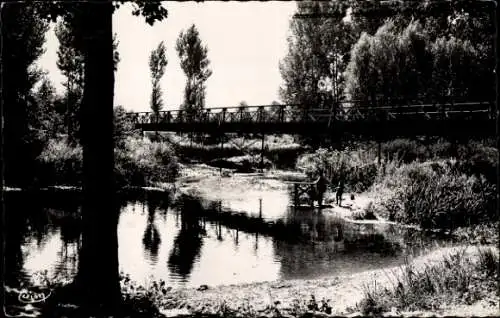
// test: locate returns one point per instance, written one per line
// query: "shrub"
(404, 149)
(60, 164)
(123, 127)
(357, 167)
(440, 149)
(143, 162)
(478, 159)
(444, 200)
(138, 162)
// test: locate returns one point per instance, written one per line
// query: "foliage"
(157, 63)
(486, 233)
(71, 63)
(406, 150)
(456, 279)
(311, 46)
(440, 196)
(195, 64)
(60, 163)
(123, 127)
(357, 168)
(477, 159)
(23, 36)
(138, 163)
(389, 50)
(455, 68)
(369, 213)
(43, 118)
(280, 151)
(143, 163)
(398, 63)
(437, 192)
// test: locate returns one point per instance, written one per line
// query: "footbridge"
(462, 118)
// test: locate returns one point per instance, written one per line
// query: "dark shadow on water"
(151, 239)
(189, 240)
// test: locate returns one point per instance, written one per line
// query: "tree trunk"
(2, 210)
(97, 277)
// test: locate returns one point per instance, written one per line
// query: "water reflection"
(192, 243)
(189, 240)
(14, 239)
(151, 239)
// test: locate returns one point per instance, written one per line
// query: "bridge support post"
(262, 154)
(221, 147)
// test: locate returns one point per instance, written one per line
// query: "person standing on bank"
(321, 185)
(340, 191)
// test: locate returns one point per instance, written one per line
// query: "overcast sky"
(246, 41)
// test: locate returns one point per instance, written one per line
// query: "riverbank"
(331, 296)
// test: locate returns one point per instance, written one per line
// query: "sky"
(245, 40)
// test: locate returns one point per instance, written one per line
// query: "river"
(186, 244)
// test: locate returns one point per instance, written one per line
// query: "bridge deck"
(472, 118)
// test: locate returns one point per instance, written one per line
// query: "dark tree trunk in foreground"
(97, 277)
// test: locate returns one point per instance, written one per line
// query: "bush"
(404, 149)
(478, 159)
(138, 162)
(143, 162)
(443, 199)
(60, 164)
(123, 127)
(358, 168)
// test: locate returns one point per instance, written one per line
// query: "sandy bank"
(342, 293)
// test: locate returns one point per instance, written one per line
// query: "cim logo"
(32, 296)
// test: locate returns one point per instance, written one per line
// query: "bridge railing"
(295, 114)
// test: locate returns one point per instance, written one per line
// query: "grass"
(457, 279)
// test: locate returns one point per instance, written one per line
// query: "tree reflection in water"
(15, 232)
(151, 239)
(189, 240)
(70, 226)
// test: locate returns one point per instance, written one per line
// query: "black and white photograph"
(334, 158)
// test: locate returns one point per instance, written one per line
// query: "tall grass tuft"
(456, 279)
